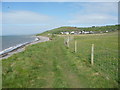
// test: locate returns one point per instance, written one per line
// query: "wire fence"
(105, 59)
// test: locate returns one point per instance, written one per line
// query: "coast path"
(40, 39)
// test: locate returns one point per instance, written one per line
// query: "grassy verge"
(52, 65)
(105, 57)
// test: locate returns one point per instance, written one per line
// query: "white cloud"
(101, 7)
(25, 29)
(27, 22)
(25, 17)
(60, 0)
(93, 19)
(95, 14)
(0, 23)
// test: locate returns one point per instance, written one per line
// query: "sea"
(10, 41)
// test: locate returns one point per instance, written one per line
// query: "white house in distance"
(72, 32)
(86, 32)
(62, 32)
(65, 33)
(106, 31)
(78, 32)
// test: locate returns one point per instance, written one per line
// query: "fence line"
(107, 66)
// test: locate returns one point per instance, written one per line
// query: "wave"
(16, 47)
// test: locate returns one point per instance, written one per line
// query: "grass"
(105, 56)
(53, 65)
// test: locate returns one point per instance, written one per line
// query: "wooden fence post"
(75, 46)
(68, 41)
(92, 54)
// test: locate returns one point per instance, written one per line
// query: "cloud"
(25, 17)
(93, 19)
(0, 23)
(60, 0)
(101, 7)
(25, 22)
(95, 14)
(21, 29)
(25, 29)
(87, 14)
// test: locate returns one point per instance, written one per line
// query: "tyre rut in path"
(69, 75)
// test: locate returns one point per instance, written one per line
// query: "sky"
(23, 18)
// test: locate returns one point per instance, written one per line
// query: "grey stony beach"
(22, 48)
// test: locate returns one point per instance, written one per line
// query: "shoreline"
(22, 47)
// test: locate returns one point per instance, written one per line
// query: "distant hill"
(109, 28)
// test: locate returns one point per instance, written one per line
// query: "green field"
(53, 65)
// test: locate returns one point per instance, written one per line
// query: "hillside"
(109, 28)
